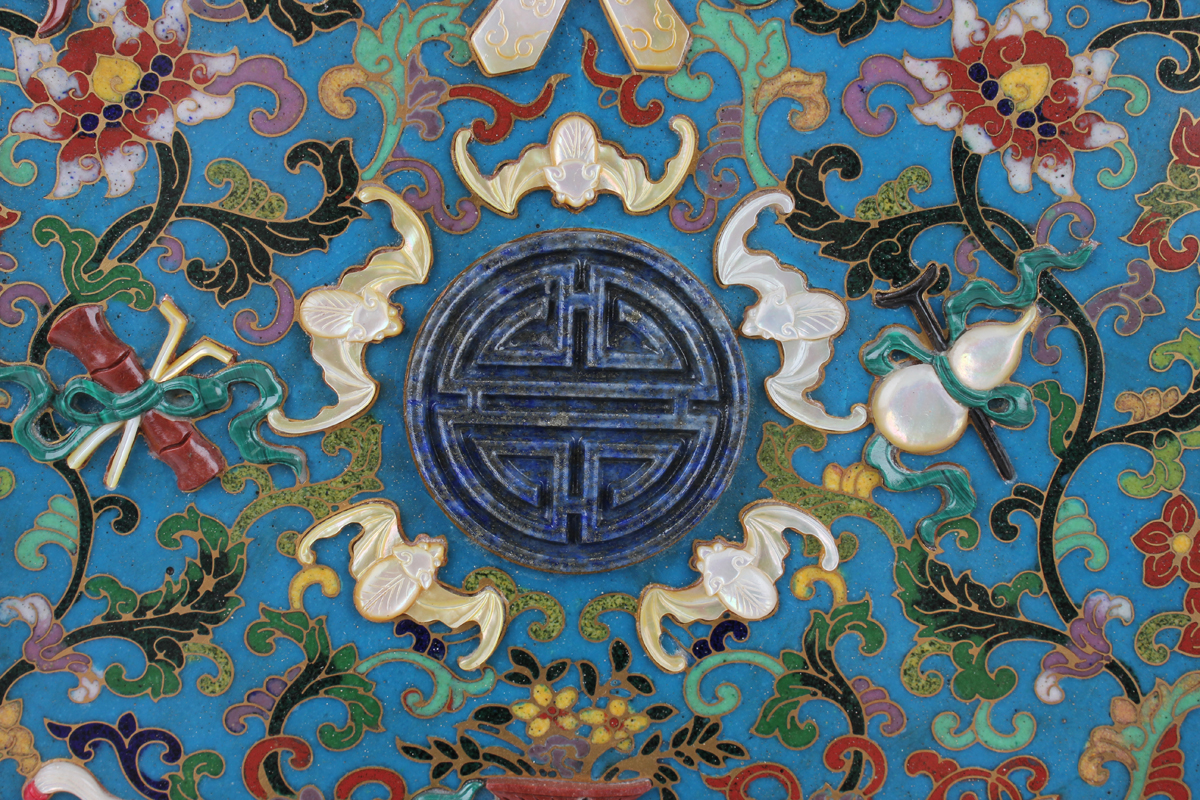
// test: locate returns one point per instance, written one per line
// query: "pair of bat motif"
(397, 577)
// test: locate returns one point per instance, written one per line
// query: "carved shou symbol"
(576, 401)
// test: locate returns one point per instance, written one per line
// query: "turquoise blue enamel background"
(918, 520)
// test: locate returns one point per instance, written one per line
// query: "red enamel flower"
(123, 82)
(1185, 141)
(1171, 544)
(1013, 89)
(1189, 637)
(1161, 206)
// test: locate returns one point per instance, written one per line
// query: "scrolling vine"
(380, 688)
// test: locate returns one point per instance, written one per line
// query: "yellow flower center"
(1026, 86)
(113, 77)
(1181, 543)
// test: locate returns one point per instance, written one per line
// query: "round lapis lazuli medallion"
(576, 401)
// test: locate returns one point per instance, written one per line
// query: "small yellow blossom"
(546, 710)
(614, 722)
(856, 479)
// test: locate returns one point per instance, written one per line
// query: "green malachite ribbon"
(1029, 266)
(958, 498)
(1013, 403)
(1010, 405)
(1016, 411)
(185, 397)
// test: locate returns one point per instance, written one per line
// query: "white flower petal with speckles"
(58, 82)
(173, 24)
(101, 11)
(30, 57)
(1009, 25)
(978, 140)
(1020, 171)
(120, 166)
(38, 121)
(966, 28)
(163, 127)
(124, 30)
(1102, 134)
(939, 112)
(1033, 13)
(74, 174)
(1059, 176)
(929, 73)
(201, 106)
(217, 65)
(1090, 73)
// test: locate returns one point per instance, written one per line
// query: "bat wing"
(342, 364)
(737, 264)
(803, 321)
(381, 529)
(329, 310)
(685, 606)
(486, 608)
(765, 524)
(512, 181)
(390, 268)
(801, 371)
(380, 533)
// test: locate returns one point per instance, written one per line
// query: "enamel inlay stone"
(576, 401)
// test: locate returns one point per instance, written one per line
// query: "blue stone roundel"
(576, 401)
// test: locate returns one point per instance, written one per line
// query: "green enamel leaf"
(775, 459)
(815, 674)
(971, 619)
(87, 282)
(1063, 412)
(1166, 475)
(58, 524)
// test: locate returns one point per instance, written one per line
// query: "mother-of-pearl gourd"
(914, 411)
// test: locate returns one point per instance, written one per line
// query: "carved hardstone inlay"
(576, 401)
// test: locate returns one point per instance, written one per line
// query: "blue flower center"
(161, 65)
